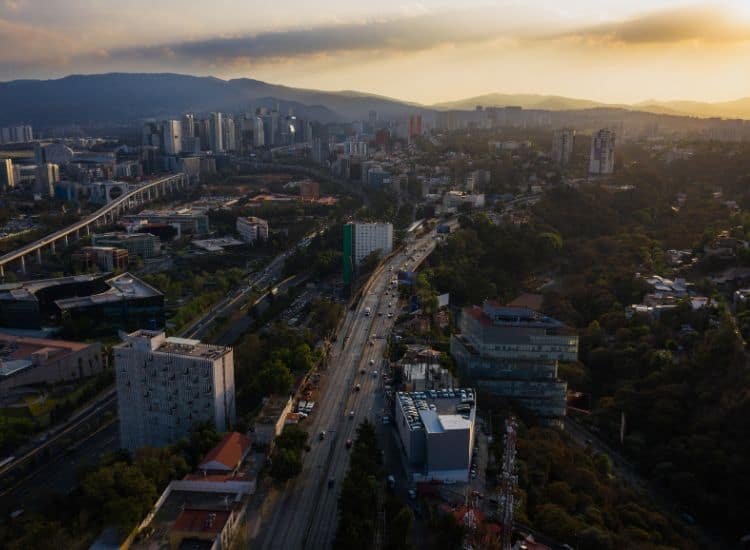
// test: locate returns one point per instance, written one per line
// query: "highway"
(305, 515)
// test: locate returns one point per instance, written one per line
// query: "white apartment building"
(167, 385)
(252, 229)
(369, 237)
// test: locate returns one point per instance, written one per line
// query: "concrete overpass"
(104, 216)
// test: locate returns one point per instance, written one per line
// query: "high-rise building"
(259, 136)
(165, 386)
(320, 151)
(563, 141)
(7, 175)
(513, 352)
(16, 134)
(47, 175)
(171, 132)
(415, 126)
(252, 229)
(309, 190)
(361, 240)
(602, 160)
(372, 117)
(203, 131)
(188, 125)
(228, 137)
(216, 132)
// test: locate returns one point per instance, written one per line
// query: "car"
(357, 387)
(348, 443)
(322, 435)
(351, 415)
(390, 315)
(474, 474)
(372, 361)
(362, 371)
(412, 494)
(386, 420)
(375, 374)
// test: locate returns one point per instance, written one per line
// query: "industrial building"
(41, 361)
(513, 352)
(99, 303)
(167, 385)
(436, 430)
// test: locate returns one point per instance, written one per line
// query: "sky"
(617, 51)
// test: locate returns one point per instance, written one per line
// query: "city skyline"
(662, 50)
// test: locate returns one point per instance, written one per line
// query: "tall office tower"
(171, 134)
(362, 239)
(602, 160)
(228, 138)
(47, 175)
(188, 125)
(167, 385)
(7, 175)
(259, 134)
(215, 132)
(563, 141)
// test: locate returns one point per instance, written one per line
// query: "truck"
(367, 311)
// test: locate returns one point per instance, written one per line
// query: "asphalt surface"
(305, 514)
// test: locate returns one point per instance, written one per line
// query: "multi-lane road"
(305, 515)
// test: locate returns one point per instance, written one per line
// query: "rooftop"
(158, 342)
(201, 521)
(122, 287)
(440, 410)
(227, 454)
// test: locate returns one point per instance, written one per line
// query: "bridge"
(104, 216)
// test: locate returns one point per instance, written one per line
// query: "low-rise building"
(143, 245)
(252, 229)
(270, 421)
(106, 258)
(187, 221)
(425, 376)
(436, 431)
(102, 302)
(227, 456)
(40, 361)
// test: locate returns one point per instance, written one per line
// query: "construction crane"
(508, 482)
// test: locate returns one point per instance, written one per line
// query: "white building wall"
(369, 237)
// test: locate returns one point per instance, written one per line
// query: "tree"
(285, 464)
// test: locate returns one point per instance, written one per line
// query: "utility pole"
(508, 484)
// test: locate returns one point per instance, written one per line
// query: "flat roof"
(122, 287)
(201, 521)
(423, 411)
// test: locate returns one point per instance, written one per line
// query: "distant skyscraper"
(47, 175)
(171, 134)
(16, 134)
(602, 160)
(415, 126)
(372, 117)
(188, 125)
(165, 386)
(563, 140)
(228, 137)
(259, 135)
(7, 175)
(216, 131)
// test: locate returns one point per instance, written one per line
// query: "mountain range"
(126, 97)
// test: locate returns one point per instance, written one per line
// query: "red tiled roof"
(478, 314)
(201, 521)
(229, 451)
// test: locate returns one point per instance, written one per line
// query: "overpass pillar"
(52, 247)
(65, 238)
(2, 270)
(88, 230)
(23, 265)
(39, 255)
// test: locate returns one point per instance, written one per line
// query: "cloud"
(666, 27)
(401, 35)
